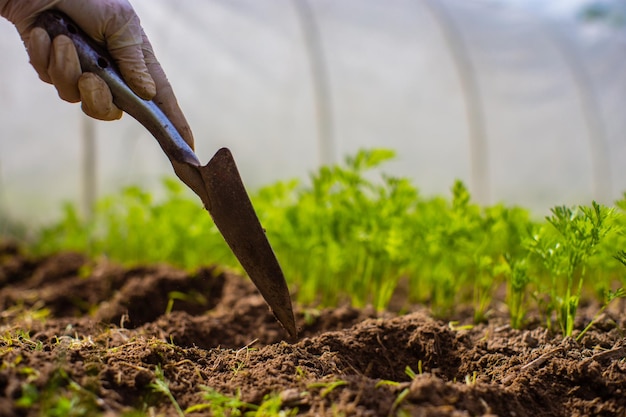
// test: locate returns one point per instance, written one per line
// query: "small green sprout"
(327, 387)
(471, 379)
(609, 297)
(242, 364)
(518, 281)
(193, 297)
(221, 405)
(411, 373)
(399, 400)
(456, 327)
(29, 396)
(161, 386)
(60, 396)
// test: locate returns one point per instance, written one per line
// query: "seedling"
(61, 396)
(471, 379)
(411, 373)
(456, 327)
(564, 248)
(327, 387)
(518, 281)
(160, 385)
(399, 400)
(242, 364)
(609, 297)
(405, 391)
(193, 297)
(219, 404)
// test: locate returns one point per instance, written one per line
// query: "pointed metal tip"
(286, 318)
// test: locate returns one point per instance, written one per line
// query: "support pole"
(89, 181)
(319, 79)
(479, 158)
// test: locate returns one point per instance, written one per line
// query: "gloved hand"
(112, 23)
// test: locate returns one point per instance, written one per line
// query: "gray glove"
(112, 23)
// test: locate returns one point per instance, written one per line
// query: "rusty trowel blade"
(236, 219)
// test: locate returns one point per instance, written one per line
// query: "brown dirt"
(99, 333)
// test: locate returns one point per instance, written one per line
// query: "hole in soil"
(149, 293)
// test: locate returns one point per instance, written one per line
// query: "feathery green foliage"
(353, 234)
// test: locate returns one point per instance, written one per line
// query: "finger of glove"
(124, 39)
(96, 97)
(38, 46)
(115, 25)
(64, 68)
(165, 98)
(131, 63)
(24, 13)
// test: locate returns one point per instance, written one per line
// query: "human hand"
(115, 25)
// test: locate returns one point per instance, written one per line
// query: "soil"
(100, 339)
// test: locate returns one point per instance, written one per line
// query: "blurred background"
(523, 100)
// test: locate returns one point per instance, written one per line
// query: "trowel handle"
(95, 59)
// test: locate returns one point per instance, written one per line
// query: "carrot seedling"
(518, 280)
(564, 245)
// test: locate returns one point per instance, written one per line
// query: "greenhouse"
(522, 102)
(394, 208)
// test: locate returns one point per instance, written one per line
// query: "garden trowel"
(218, 183)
